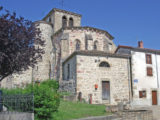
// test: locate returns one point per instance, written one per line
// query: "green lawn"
(72, 110)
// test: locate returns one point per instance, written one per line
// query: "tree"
(20, 44)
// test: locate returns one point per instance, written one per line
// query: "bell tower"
(61, 18)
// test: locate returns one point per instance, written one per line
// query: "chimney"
(140, 44)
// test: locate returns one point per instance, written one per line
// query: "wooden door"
(105, 90)
(154, 97)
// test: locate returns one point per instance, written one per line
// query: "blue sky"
(127, 20)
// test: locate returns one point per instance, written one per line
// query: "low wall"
(100, 118)
(136, 115)
(68, 86)
(16, 116)
(125, 115)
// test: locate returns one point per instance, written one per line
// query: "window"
(142, 94)
(50, 20)
(95, 45)
(148, 59)
(70, 22)
(64, 21)
(86, 44)
(149, 71)
(104, 64)
(78, 45)
(68, 71)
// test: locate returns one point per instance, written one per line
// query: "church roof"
(96, 53)
(60, 10)
(86, 28)
(138, 49)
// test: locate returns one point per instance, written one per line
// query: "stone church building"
(82, 59)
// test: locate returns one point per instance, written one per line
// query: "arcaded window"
(78, 45)
(71, 22)
(104, 64)
(95, 45)
(64, 21)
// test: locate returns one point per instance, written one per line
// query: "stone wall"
(89, 73)
(16, 116)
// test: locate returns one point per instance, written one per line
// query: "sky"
(129, 21)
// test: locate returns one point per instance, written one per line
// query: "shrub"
(46, 98)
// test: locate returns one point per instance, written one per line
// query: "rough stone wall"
(89, 73)
(41, 70)
(97, 36)
(69, 83)
(66, 46)
(56, 20)
(69, 45)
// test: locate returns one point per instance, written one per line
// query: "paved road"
(155, 109)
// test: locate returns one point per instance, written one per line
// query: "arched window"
(70, 22)
(104, 64)
(95, 45)
(64, 21)
(78, 45)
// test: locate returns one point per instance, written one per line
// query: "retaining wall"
(16, 116)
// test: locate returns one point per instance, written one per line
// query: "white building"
(145, 73)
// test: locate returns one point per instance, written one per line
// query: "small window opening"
(104, 64)
(142, 94)
(78, 45)
(64, 21)
(71, 22)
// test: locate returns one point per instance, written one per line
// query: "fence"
(18, 103)
(16, 107)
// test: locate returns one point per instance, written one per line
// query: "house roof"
(60, 10)
(138, 49)
(86, 28)
(96, 53)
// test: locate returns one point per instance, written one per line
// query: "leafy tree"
(19, 41)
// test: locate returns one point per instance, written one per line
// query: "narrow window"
(78, 45)
(149, 71)
(68, 71)
(95, 45)
(148, 59)
(64, 21)
(50, 20)
(142, 94)
(86, 44)
(71, 22)
(104, 64)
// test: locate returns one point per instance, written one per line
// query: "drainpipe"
(157, 71)
(129, 79)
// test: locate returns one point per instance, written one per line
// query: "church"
(86, 63)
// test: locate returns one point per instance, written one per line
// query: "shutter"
(140, 94)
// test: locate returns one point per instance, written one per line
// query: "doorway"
(154, 97)
(105, 90)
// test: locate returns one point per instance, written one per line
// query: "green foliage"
(46, 98)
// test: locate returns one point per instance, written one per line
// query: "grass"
(73, 110)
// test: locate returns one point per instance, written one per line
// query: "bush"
(46, 98)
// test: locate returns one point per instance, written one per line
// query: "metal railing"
(18, 103)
